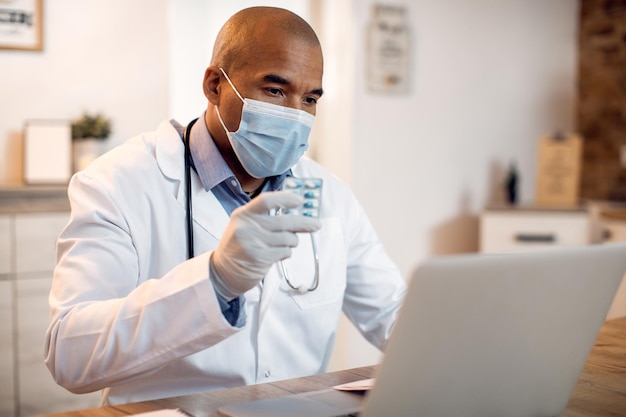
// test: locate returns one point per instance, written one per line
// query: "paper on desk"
(362, 385)
(168, 412)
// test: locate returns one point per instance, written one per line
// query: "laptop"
(481, 335)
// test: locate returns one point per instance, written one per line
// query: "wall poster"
(558, 170)
(388, 49)
(21, 24)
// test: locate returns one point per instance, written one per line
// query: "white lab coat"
(132, 316)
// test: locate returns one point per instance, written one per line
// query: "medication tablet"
(310, 189)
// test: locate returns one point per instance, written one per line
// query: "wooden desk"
(601, 389)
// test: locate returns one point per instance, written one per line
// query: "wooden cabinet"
(613, 230)
(609, 220)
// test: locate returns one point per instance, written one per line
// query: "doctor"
(133, 315)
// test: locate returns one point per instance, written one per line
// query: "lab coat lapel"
(271, 284)
(208, 213)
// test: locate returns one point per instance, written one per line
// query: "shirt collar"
(211, 167)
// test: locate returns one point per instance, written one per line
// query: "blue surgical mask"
(270, 138)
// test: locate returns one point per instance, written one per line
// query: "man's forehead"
(283, 61)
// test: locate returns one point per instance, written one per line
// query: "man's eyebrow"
(273, 78)
(318, 92)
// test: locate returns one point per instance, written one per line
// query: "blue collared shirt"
(217, 177)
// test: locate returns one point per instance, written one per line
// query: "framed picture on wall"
(388, 49)
(47, 151)
(21, 24)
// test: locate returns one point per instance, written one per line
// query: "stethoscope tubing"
(189, 221)
(302, 289)
(189, 208)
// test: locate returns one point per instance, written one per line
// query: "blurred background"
(470, 88)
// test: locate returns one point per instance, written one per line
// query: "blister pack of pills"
(310, 189)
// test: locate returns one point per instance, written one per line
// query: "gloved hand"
(254, 240)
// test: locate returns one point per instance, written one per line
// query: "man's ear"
(211, 84)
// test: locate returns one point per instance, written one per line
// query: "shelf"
(33, 199)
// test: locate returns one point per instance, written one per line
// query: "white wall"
(194, 25)
(106, 56)
(488, 78)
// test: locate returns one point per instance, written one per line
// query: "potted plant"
(88, 133)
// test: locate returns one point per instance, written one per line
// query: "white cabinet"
(35, 240)
(6, 249)
(38, 393)
(27, 259)
(526, 228)
(7, 341)
(7, 358)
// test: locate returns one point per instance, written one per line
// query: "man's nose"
(299, 104)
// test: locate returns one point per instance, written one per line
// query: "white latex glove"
(254, 240)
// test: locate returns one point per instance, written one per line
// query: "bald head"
(270, 55)
(243, 36)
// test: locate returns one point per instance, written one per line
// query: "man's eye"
(310, 100)
(275, 91)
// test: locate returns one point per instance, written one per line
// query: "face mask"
(270, 138)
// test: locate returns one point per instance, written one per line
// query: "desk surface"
(601, 389)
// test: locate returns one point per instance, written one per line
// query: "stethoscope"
(302, 289)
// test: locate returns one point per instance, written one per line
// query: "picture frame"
(47, 152)
(559, 160)
(388, 49)
(21, 25)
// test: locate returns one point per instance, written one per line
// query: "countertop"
(33, 199)
(536, 207)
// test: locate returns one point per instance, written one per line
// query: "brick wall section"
(601, 113)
